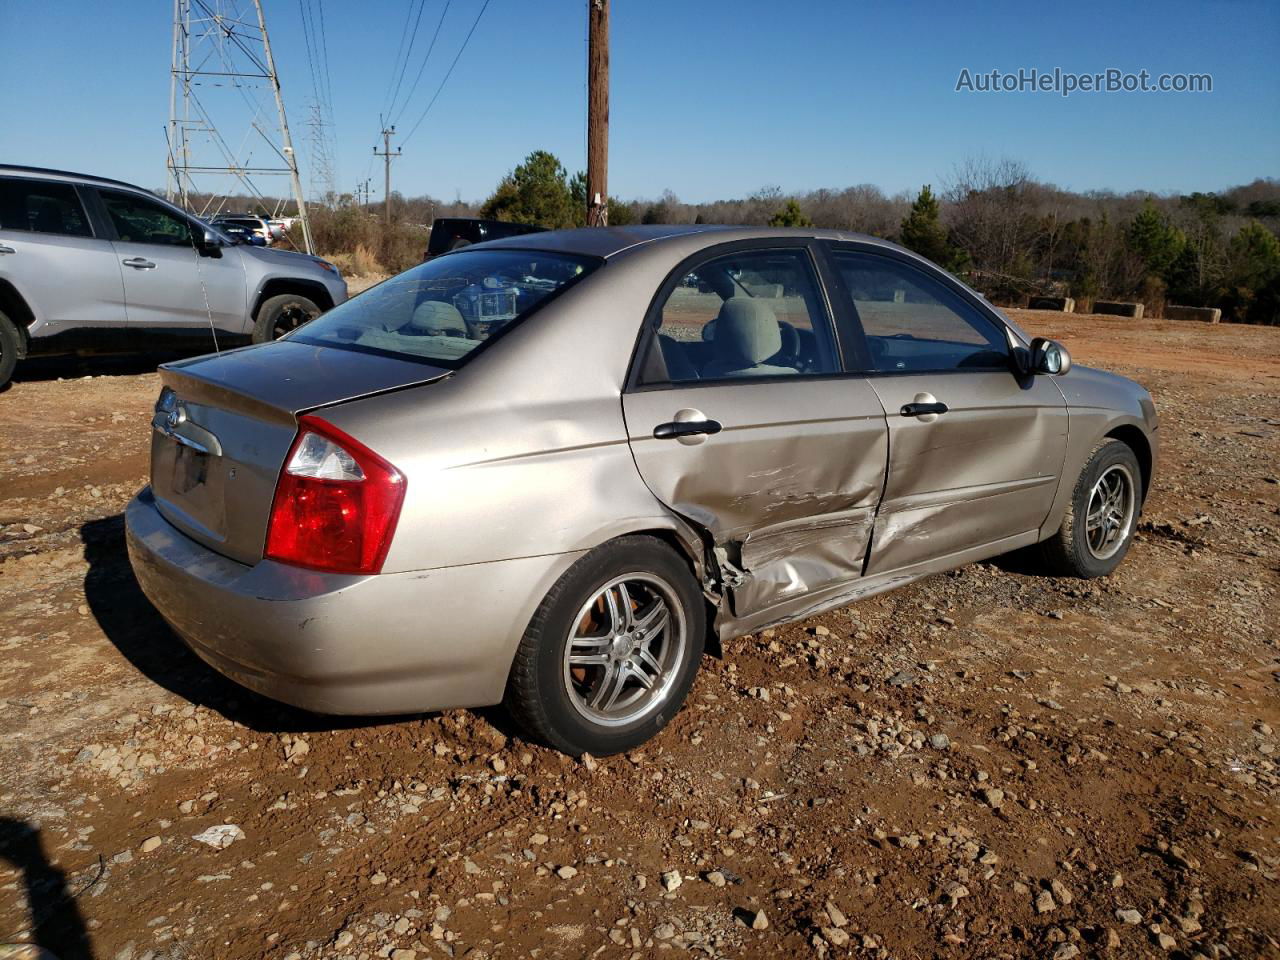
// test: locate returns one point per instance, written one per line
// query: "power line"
(422, 68)
(418, 123)
(408, 55)
(404, 33)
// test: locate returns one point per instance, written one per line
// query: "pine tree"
(790, 216)
(922, 232)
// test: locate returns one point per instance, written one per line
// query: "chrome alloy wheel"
(626, 649)
(1109, 518)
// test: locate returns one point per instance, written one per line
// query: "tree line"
(991, 222)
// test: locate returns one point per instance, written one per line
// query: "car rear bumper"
(334, 643)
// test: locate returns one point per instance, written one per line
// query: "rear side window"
(754, 313)
(42, 206)
(139, 220)
(913, 322)
(442, 310)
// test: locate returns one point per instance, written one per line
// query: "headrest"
(438, 317)
(746, 332)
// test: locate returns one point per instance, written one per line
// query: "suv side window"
(754, 313)
(139, 220)
(913, 323)
(42, 206)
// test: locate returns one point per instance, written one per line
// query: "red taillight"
(336, 503)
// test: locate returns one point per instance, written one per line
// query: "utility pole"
(387, 155)
(362, 190)
(597, 113)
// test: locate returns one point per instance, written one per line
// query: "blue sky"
(711, 99)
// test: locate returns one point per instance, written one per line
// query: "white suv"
(94, 265)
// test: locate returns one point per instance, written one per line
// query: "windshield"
(444, 309)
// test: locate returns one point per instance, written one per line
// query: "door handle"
(921, 409)
(6, 249)
(686, 428)
(138, 263)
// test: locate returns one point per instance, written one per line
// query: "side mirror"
(1049, 357)
(210, 245)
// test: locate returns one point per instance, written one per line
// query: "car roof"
(48, 172)
(610, 241)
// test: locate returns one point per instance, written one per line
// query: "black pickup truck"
(450, 233)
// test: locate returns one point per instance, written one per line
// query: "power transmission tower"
(221, 48)
(322, 181)
(387, 155)
(597, 113)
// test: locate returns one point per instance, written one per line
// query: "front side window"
(913, 322)
(754, 313)
(139, 220)
(445, 308)
(42, 206)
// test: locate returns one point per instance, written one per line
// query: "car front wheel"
(1101, 517)
(612, 651)
(278, 315)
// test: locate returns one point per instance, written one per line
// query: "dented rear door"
(787, 487)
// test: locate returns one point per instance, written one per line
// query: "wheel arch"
(1136, 440)
(14, 306)
(313, 290)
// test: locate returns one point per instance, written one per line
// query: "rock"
(1045, 902)
(1060, 892)
(836, 915)
(664, 931)
(760, 921)
(1066, 951)
(671, 880)
(499, 765)
(835, 936)
(1164, 941)
(994, 797)
(344, 939)
(404, 955)
(149, 844)
(955, 892)
(378, 879)
(221, 836)
(940, 741)
(538, 839)
(1129, 916)
(716, 878)
(567, 872)
(902, 678)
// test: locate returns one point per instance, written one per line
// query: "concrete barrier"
(1117, 309)
(1064, 304)
(1202, 314)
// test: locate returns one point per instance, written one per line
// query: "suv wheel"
(1101, 517)
(278, 315)
(10, 343)
(612, 651)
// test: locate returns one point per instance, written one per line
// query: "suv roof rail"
(69, 173)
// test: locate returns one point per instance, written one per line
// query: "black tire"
(1069, 553)
(538, 689)
(278, 315)
(10, 344)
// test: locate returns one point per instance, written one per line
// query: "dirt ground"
(986, 764)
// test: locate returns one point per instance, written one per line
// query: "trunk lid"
(220, 437)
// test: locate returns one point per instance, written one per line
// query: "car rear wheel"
(612, 651)
(278, 315)
(9, 345)
(1101, 517)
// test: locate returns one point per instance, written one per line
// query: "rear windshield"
(444, 309)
